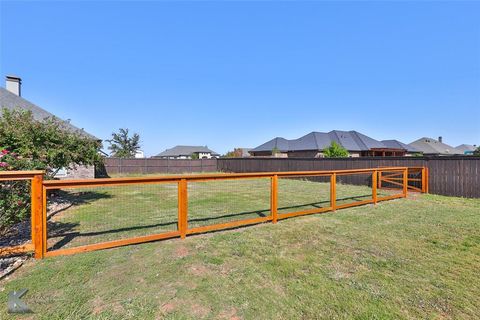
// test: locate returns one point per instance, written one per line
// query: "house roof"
(465, 147)
(185, 151)
(395, 144)
(11, 101)
(350, 140)
(432, 146)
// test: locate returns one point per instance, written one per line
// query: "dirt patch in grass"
(199, 270)
(199, 311)
(168, 307)
(181, 252)
(229, 314)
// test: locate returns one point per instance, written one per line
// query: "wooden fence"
(41, 191)
(114, 166)
(457, 176)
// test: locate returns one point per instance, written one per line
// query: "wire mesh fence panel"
(390, 184)
(224, 201)
(15, 209)
(90, 215)
(415, 179)
(352, 188)
(303, 193)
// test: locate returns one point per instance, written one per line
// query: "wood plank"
(113, 244)
(228, 225)
(303, 213)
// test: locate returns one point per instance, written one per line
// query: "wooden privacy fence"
(301, 183)
(114, 166)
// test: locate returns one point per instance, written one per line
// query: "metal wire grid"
(303, 193)
(15, 208)
(222, 201)
(82, 216)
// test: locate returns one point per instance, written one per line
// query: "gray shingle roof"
(184, 151)
(350, 140)
(11, 101)
(465, 147)
(395, 144)
(432, 146)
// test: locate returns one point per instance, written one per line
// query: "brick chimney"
(14, 85)
(440, 139)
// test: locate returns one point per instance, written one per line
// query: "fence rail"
(260, 197)
(457, 176)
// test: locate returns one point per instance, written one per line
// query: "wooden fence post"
(405, 182)
(423, 180)
(274, 198)
(380, 180)
(182, 207)
(333, 191)
(374, 186)
(38, 219)
(426, 180)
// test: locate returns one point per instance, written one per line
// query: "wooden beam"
(302, 213)
(228, 225)
(274, 198)
(112, 244)
(333, 191)
(182, 208)
(37, 207)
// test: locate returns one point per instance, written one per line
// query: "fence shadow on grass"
(67, 233)
(62, 200)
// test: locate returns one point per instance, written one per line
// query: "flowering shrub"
(14, 195)
(29, 144)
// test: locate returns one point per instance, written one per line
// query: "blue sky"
(236, 74)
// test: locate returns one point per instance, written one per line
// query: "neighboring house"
(313, 144)
(187, 152)
(432, 147)
(139, 154)
(10, 98)
(467, 149)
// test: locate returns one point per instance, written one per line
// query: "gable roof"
(432, 146)
(395, 144)
(350, 140)
(185, 151)
(276, 143)
(465, 147)
(11, 101)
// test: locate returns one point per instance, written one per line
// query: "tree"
(236, 153)
(335, 151)
(194, 156)
(124, 146)
(477, 152)
(45, 145)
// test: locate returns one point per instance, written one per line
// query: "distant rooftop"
(12, 101)
(178, 151)
(432, 146)
(350, 140)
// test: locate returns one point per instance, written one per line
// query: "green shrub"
(14, 195)
(335, 151)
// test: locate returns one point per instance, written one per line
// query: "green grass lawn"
(109, 213)
(407, 258)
